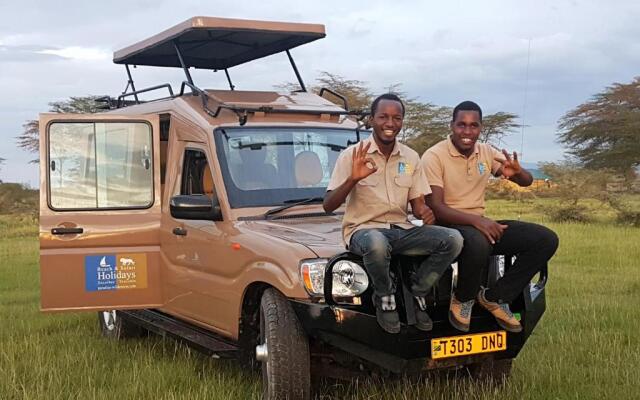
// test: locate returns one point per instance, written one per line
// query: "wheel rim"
(264, 346)
(109, 319)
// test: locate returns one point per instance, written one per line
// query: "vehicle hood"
(322, 235)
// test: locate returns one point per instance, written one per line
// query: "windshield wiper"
(293, 203)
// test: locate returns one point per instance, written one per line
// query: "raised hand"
(360, 168)
(510, 166)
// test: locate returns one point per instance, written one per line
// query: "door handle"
(66, 231)
(180, 231)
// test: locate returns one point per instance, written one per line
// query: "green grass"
(586, 347)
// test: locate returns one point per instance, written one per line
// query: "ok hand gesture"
(360, 166)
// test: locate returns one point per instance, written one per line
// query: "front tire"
(113, 326)
(284, 349)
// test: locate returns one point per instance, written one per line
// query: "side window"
(100, 165)
(196, 174)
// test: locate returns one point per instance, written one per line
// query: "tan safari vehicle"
(198, 215)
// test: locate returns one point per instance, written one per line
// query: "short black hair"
(386, 96)
(466, 106)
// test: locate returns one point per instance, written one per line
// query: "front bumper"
(358, 333)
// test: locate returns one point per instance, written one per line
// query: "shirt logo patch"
(405, 168)
(482, 167)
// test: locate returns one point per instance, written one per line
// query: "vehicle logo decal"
(115, 271)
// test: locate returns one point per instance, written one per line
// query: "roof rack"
(218, 44)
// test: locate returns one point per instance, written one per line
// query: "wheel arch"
(249, 321)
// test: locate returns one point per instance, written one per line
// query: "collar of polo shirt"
(374, 147)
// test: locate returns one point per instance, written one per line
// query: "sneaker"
(501, 312)
(386, 313)
(423, 322)
(460, 313)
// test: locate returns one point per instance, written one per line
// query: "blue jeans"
(376, 246)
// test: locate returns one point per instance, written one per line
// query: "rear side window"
(100, 165)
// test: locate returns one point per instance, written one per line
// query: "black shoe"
(386, 313)
(423, 321)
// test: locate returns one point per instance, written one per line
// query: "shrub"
(15, 197)
(569, 213)
(626, 214)
(504, 189)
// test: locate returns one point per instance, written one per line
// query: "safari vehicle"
(198, 215)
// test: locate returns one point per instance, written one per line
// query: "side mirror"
(195, 206)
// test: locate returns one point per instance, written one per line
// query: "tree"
(573, 183)
(358, 95)
(356, 92)
(495, 127)
(29, 139)
(425, 124)
(603, 132)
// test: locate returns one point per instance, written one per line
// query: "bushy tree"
(604, 131)
(495, 127)
(29, 139)
(425, 124)
(572, 183)
(358, 95)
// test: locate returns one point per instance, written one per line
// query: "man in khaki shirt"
(378, 178)
(458, 170)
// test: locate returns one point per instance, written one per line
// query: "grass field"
(586, 347)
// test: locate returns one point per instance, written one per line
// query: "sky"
(537, 59)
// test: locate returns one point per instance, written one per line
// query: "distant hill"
(535, 170)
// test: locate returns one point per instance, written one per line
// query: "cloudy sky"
(441, 52)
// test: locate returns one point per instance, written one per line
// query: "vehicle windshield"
(273, 166)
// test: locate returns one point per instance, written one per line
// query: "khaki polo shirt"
(380, 199)
(463, 180)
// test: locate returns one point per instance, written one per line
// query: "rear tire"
(286, 372)
(113, 326)
(491, 370)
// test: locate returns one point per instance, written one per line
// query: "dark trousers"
(376, 246)
(532, 244)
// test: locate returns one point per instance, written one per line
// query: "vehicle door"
(99, 212)
(193, 246)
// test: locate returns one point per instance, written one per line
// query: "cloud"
(79, 53)
(25, 53)
(38, 53)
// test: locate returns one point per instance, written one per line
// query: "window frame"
(256, 195)
(102, 121)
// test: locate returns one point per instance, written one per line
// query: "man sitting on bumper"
(378, 178)
(458, 170)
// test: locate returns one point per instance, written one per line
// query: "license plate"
(455, 346)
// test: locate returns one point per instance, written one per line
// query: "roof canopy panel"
(218, 43)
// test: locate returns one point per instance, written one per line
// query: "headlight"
(312, 272)
(349, 279)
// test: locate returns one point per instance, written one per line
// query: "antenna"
(524, 112)
(524, 105)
